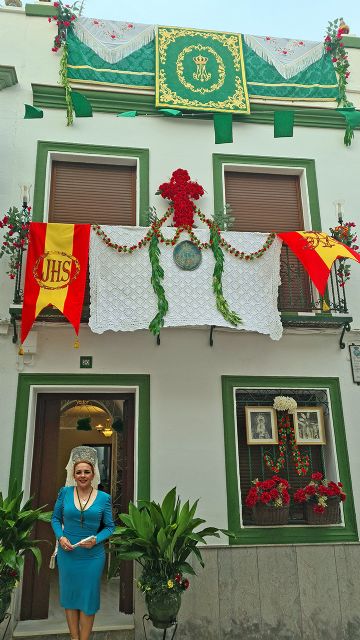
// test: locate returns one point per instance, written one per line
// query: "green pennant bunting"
(283, 124)
(171, 112)
(352, 118)
(32, 112)
(223, 128)
(127, 114)
(82, 106)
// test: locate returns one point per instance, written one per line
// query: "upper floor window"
(267, 202)
(93, 193)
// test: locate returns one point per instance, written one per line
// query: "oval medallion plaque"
(187, 255)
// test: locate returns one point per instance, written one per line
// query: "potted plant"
(161, 538)
(269, 501)
(16, 525)
(321, 499)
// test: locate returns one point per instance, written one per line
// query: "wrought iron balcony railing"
(299, 302)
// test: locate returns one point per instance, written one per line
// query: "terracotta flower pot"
(331, 515)
(163, 608)
(268, 515)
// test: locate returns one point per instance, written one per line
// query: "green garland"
(157, 275)
(221, 303)
(66, 84)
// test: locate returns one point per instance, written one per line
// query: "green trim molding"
(44, 148)
(351, 42)
(284, 534)
(8, 77)
(139, 381)
(41, 10)
(53, 97)
(219, 160)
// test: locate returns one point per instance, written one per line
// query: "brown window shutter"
(264, 201)
(272, 202)
(92, 193)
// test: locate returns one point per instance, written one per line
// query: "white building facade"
(183, 400)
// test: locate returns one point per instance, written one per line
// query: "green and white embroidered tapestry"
(89, 62)
(120, 56)
(200, 70)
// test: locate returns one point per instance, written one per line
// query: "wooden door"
(126, 600)
(36, 591)
(35, 596)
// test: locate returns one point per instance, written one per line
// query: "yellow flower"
(170, 584)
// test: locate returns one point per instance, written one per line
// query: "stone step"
(115, 634)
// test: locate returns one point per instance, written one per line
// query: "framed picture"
(309, 425)
(355, 361)
(261, 425)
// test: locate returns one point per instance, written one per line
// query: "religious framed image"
(309, 425)
(261, 427)
(355, 362)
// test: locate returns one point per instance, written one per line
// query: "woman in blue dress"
(82, 520)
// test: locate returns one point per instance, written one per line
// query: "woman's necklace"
(82, 504)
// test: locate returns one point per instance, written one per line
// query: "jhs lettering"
(56, 270)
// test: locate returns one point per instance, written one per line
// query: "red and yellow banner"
(56, 269)
(317, 251)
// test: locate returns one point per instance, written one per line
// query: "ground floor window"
(251, 456)
(250, 428)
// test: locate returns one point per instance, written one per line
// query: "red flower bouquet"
(322, 498)
(273, 492)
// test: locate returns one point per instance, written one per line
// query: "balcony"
(299, 302)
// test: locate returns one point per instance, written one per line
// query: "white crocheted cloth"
(122, 297)
(113, 40)
(288, 56)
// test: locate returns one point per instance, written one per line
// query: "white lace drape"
(288, 55)
(113, 40)
(122, 297)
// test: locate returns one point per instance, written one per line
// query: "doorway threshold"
(35, 628)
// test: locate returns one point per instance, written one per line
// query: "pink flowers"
(64, 18)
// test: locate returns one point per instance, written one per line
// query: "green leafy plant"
(161, 538)
(157, 275)
(223, 219)
(16, 525)
(221, 303)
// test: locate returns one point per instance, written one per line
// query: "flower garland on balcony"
(286, 405)
(183, 190)
(66, 16)
(345, 233)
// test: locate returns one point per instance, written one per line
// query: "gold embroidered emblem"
(201, 73)
(52, 270)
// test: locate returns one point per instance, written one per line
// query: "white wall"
(186, 410)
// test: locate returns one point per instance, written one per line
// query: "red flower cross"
(180, 190)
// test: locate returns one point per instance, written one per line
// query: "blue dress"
(80, 570)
